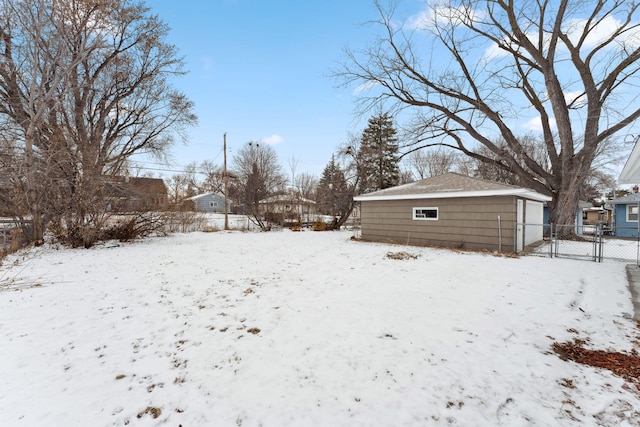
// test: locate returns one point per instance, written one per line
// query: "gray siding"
(465, 223)
(210, 203)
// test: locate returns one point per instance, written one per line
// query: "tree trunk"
(33, 196)
(563, 208)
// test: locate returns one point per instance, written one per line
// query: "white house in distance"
(286, 207)
(210, 202)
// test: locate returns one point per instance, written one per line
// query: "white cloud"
(494, 52)
(442, 14)
(601, 32)
(420, 21)
(273, 139)
(577, 97)
(364, 87)
(574, 28)
(535, 124)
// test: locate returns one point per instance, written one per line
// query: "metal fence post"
(601, 243)
(596, 247)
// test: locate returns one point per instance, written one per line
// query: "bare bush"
(184, 221)
(111, 227)
(136, 226)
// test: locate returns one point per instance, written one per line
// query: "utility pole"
(224, 177)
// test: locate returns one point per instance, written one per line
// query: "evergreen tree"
(333, 195)
(378, 155)
(255, 189)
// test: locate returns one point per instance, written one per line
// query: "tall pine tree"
(333, 195)
(378, 155)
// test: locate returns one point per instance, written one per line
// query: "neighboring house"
(580, 215)
(288, 206)
(127, 194)
(454, 210)
(210, 202)
(595, 215)
(626, 209)
(625, 215)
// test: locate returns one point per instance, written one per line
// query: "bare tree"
(35, 59)
(184, 184)
(88, 83)
(12, 178)
(306, 185)
(293, 167)
(573, 64)
(428, 163)
(213, 180)
(259, 176)
(490, 165)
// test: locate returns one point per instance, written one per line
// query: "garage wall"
(533, 230)
(465, 223)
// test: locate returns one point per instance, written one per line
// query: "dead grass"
(401, 255)
(622, 364)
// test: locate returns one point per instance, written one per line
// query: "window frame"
(426, 218)
(629, 212)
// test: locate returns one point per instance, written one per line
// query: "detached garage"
(454, 210)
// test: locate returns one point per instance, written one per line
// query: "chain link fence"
(596, 243)
(14, 234)
(621, 249)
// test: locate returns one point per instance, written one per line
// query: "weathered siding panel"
(467, 223)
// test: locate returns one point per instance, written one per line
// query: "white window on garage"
(632, 213)
(425, 214)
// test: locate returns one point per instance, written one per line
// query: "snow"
(305, 328)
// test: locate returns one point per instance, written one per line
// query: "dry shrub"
(134, 226)
(117, 227)
(185, 221)
(319, 226)
(17, 238)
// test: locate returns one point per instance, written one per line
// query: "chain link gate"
(577, 242)
(595, 243)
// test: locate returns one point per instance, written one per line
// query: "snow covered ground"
(305, 329)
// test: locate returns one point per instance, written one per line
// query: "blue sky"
(259, 71)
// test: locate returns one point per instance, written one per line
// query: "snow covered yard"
(285, 328)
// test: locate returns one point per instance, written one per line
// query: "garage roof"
(451, 185)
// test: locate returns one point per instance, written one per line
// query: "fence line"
(595, 243)
(15, 232)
